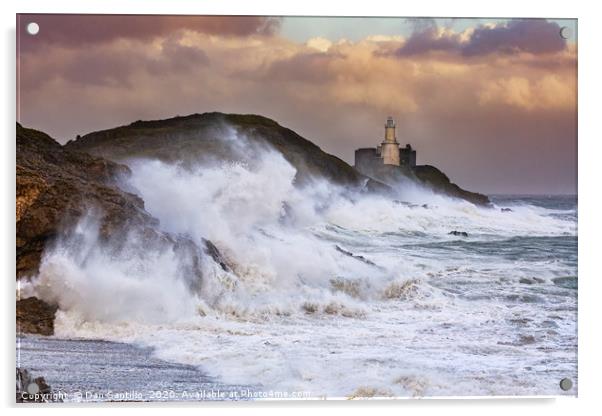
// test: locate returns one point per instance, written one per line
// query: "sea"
(328, 294)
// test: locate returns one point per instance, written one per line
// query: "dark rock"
(35, 316)
(356, 256)
(506, 210)
(55, 189)
(215, 254)
(33, 390)
(201, 137)
(397, 177)
(205, 137)
(531, 281)
(440, 183)
(458, 233)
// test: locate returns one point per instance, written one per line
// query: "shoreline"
(83, 371)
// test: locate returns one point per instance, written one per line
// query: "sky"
(491, 102)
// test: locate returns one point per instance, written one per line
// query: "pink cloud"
(495, 122)
(80, 29)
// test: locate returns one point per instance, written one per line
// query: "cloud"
(495, 121)
(312, 67)
(532, 35)
(85, 29)
(549, 92)
(177, 57)
(319, 43)
(429, 39)
(536, 36)
(110, 65)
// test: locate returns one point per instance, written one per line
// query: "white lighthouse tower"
(389, 148)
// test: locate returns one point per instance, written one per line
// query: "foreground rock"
(33, 390)
(35, 316)
(55, 188)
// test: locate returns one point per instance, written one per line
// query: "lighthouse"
(374, 161)
(389, 148)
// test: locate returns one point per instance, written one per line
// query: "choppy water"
(333, 295)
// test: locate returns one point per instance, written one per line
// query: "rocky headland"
(55, 188)
(57, 185)
(201, 137)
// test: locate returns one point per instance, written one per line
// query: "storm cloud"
(76, 30)
(536, 36)
(495, 111)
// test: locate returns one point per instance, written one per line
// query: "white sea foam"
(337, 294)
(93, 282)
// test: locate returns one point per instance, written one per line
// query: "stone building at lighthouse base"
(393, 165)
(387, 159)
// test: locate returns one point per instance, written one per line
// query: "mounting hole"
(565, 32)
(33, 388)
(33, 28)
(566, 384)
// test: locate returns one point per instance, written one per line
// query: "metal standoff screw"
(566, 384)
(33, 28)
(33, 388)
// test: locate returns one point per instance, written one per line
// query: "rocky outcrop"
(57, 185)
(35, 316)
(357, 257)
(206, 137)
(458, 233)
(55, 189)
(218, 258)
(397, 177)
(439, 182)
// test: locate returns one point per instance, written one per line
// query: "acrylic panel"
(247, 207)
